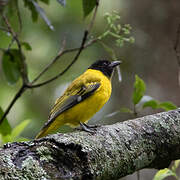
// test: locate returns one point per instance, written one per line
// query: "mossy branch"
(111, 152)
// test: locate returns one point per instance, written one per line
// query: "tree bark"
(111, 152)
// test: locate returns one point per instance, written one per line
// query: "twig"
(2, 5)
(61, 52)
(18, 94)
(23, 64)
(67, 68)
(19, 17)
(54, 60)
(4, 29)
(20, 26)
(11, 43)
(86, 32)
(29, 86)
(26, 83)
(94, 16)
(176, 44)
(23, 69)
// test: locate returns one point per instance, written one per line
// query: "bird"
(85, 96)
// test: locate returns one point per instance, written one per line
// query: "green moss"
(142, 160)
(32, 167)
(44, 153)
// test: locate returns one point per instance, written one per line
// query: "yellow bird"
(85, 96)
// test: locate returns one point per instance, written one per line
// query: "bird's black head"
(106, 67)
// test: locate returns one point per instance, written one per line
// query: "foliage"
(139, 99)
(154, 104)
(5, 127)
(139, 89)
(27, 46)
(36, 10)
(120, 33)
(88, 6)
(14, 64)
(11, 61)
(7, 134)
(14, 135)
(163, 173)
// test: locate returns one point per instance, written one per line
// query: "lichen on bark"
(111, 152)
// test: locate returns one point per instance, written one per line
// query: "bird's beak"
(115, 63)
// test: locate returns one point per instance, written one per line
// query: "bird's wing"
(71, 98)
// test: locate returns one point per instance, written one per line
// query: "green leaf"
(152, 103)
(42, 14)
(19, 128)
(143, 100)
(45, 1)
(30, 6)
(7, 138)
(139, 89)
(163, 174)
(20, 139)
(5, 127)
(156, 105)
(11, 65)
(88, 6)
(167, 106)
(10, 8)
(126, 110)
(175, 165)
(26, 45)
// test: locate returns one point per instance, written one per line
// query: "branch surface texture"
(112, 152)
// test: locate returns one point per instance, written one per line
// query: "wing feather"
(66, 102)
(70, 101)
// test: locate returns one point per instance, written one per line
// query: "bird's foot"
(87, 128)
(92, 126)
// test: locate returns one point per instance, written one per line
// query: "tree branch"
(56, 58)
(4, 29)
(19, 17)
(176, 45)
(26, 83)
(112, 152)
(60, 53)
(18, 94)
(3, 3)
(23, 62)
(86, 32)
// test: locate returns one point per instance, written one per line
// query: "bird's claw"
(87, 128)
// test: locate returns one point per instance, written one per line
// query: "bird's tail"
(43, 132)
(50, 127)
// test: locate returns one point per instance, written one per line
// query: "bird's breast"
(83, 111)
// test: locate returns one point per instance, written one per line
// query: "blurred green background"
(154, 25)
(151, 57)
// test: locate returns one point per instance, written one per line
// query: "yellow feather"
(83, 111)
